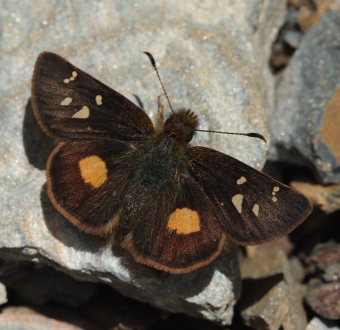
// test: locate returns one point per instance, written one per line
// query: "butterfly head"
(181, 125)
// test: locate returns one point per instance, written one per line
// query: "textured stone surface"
(213, 58)
(271, 296)
(324, 298)
(323, 290)
(310, 14)
(305, 124)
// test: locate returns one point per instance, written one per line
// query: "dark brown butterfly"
(170, 205)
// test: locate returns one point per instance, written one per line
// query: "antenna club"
(254, 135)
(152, 60)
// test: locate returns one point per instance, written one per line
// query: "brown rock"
(326, 197)
(326, 254)
(324, 299)
(311, 12)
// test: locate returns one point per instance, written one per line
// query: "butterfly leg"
(161, 110)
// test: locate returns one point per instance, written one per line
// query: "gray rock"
(306, 120)
(212, 57)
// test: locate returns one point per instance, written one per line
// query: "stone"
(326, 254)
(306, 120)
(326, 197)
(323, 289)
(212, 58)
(324, 298)
(310, 15)
(271, 296)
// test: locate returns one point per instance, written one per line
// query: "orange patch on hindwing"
(184, 221)
(93, 170)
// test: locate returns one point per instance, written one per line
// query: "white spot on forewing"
(241, 180)
(99, 100)
(275, 190)
(274, 199)
(237, 201)
(73, 77)
(83, 113)
(256, 209)
(66, 101)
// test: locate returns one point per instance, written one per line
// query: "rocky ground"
(268, 66)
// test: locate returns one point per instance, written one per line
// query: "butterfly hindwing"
(178, 232)
(253, 207)
(86, 182)
(70, 104)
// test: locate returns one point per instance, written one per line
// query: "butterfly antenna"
(153, 62)
(254, 135)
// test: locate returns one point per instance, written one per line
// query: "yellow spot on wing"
(83, 113)
(241, 180)
(184, 221)
(99, 100)
(256, 209)
(237, 201)
(93, 170)
(276, 189)
(66, 101)
(274, 199)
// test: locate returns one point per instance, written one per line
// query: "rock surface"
(323, 290)
(325, 197)
(212, 58)
(306, 121)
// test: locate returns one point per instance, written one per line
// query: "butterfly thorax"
(181, 125)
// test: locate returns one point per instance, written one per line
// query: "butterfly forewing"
(252, 207)
(69, 103)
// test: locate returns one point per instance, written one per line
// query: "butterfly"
(172, 206)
